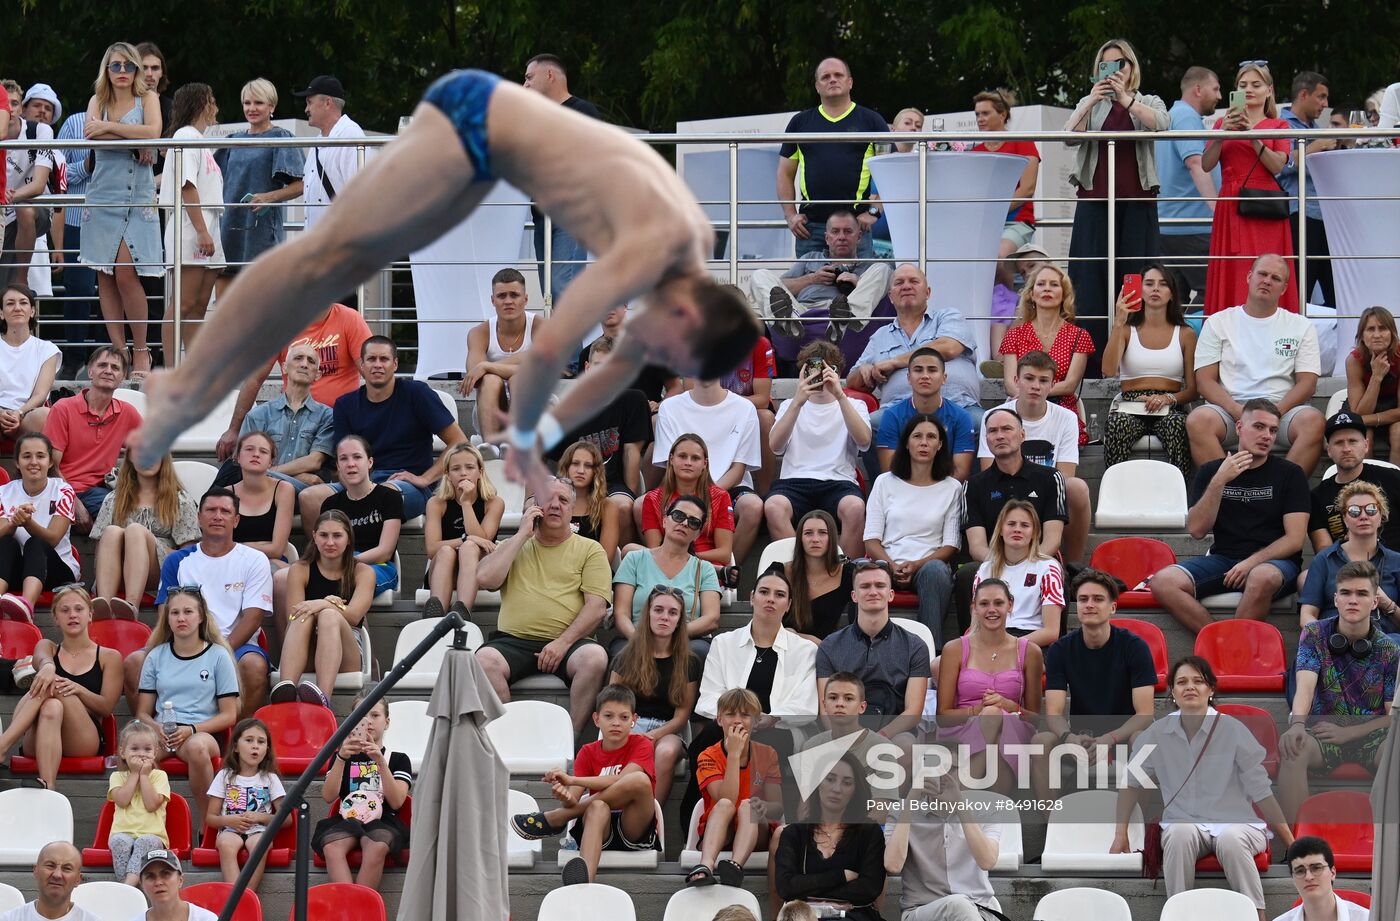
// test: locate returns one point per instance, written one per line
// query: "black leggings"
(777, 737)
(36, 560)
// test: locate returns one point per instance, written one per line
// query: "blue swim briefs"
(463, 96)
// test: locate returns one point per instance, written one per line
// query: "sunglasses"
(1263, 62)
(866, 562)
(187, 590)
(1369, 510)
(123, 67)
(668, 590)
(690, 521)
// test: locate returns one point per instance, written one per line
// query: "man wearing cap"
(27, 174)
(57, 873)
(328, 169)
(1348, 446)
(162, 878)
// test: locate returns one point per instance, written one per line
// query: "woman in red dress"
(1045, 323)
(1252, 164)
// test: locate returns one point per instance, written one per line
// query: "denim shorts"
(1208, 573)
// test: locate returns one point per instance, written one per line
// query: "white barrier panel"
(953, 229)
(707, 175)
(1360, 228)
(462, 293)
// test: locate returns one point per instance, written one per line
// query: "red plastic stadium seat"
(344, 902)
(279, 855)
(353, 858)
(1209, 864)
(1133, 559)
(89, 764)
(905, 600)
(125, 636)
(1151, 634)
(17, 639)
(177, 828)
(1350, 770)
(298, 731)
(1348, 895)
(1247, 655)
(214, 896)
(177, 768)
(868, 399)
(1262, 725)
(1343, 818)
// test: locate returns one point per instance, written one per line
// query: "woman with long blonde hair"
(594, 516)
(123, 241)
(146, 517)
(1045, 323)
(459, 528)
(1014, 557)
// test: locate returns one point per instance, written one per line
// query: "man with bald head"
(837, 173)
(57, 873)
(302, 428)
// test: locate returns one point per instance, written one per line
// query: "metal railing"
(733, 265)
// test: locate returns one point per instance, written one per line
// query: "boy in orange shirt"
(741, 785)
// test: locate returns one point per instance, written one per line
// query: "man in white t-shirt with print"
(1051, 440)
(235, 582)
(729, 425)
(1256, 350)
(819, 434)
(57, 872)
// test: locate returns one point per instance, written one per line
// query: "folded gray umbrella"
(458, 840)
(1385, 810)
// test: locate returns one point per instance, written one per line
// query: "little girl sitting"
(140, 792)
(244, 796)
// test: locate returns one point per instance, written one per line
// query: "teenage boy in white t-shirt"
(819, 434)
(729, 425)
(1051, 440)
(1256, 350)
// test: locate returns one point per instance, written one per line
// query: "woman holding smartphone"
(1236, 238)
(1153, 351)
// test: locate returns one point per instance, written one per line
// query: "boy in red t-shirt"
(741, 786)
(611, 792)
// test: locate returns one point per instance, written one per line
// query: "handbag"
(1262, 204)
(1152, 831)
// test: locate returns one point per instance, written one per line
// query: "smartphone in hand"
(1237, 100)
(1108, 68)
(1132, 290)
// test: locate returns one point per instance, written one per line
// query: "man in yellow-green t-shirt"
(555, 588)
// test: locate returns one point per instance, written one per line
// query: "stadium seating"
(214, 896)
(1334, 403)
(1142, 494)
(449, 402)
(1262, 725)
(1196, 904)
(702, 904)
(409, 728)
(1344, 818)
(1082, 903)
(587, 902)
(1133, 560)
(177, 829)
(34, 818)
(10, 897)
(125, 636)
(1246, 655)
(298, 731)
(1156, 641)
(521, 854)
(18, 639)
(1011, 851)
(533, 736)
(386, 598)
(110, 901)
(177, 768)
(284, 845)
(132, 398)
(919, 629)
(690, 856)
(424, 673)
(203, 436)
(344, 902)
(626, 860)
(195, 476)
(1078, 835)
(778, 551)
(1331, 471)
(512, 493)
(349, 681)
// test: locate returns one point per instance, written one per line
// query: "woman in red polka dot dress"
(1045, 323)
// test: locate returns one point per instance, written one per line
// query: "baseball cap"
(324, 85)
(1030, 249)
(160, 855)
(1345, 420)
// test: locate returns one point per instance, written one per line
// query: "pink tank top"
(974, 682)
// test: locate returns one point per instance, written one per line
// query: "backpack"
(58, 176)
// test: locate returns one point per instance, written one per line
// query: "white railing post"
(177, 158)
(1303, 230)
(733, 211)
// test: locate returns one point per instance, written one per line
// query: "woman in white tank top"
(1152, 351)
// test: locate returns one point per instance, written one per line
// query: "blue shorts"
(251, 648)
(92, 498)
(386, 576)
(807, 495)
(463, 97)
(1208, 572)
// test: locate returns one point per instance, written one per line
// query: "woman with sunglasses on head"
(123, 241)
(688, 474)
(76, 684)
(190, 665)
(1364, 512)
(657, 665)
(37, 512)
(594, 517)
(671, 564)
(993, 111)
(821, 580)
(914, 516)
(28, 365)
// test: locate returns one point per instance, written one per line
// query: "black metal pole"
(302, 880)
(296, 796)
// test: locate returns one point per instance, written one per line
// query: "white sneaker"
(16, 607)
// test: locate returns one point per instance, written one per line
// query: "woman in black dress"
(821, 580)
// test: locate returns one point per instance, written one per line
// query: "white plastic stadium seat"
(587, 902)
(1334, 403)
(1195, 904)
(1080, 903)
(533, 736)
(539, 684)
(758, 860)
(450, 402)
(513, 494)
(33, 818)
(386, 598)
(1002, 811)
(195, 477)
(1332, 470)
(1142, 494)
(10, 897)
(520, 853)
(484, 599)
(409, 728)
(1078, 836)
(132, 398)
(778, 551)
(110, 901)
(919, 629)
(626, 860)
(704, 904)
(203, 436)
(291, 554)
(424, 673)
(349, 681)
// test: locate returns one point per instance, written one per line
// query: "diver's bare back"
(596, 181)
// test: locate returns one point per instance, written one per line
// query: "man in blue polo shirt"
(927, 374)
(1309, 99)
(835, 172)
(1188, 191)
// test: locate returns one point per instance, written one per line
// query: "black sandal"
(700, 875)
(532, 826)
(729, 873)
